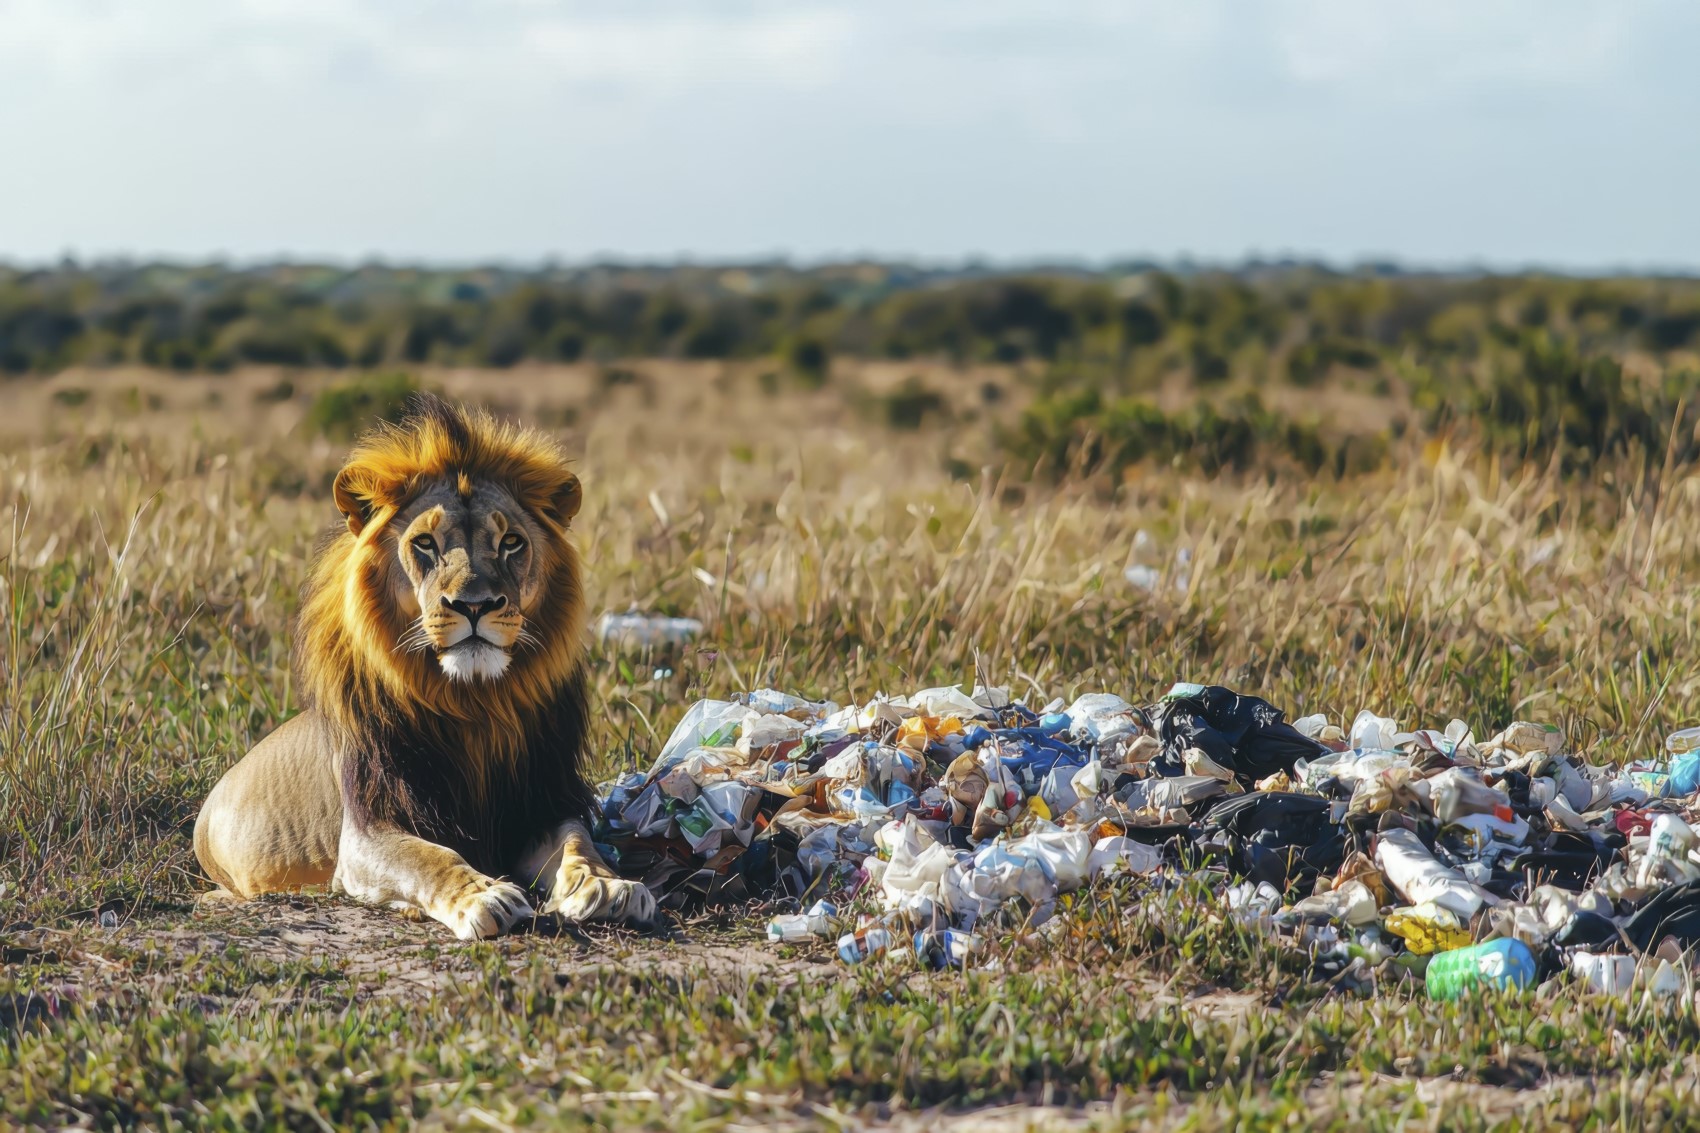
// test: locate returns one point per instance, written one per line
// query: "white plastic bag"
(1418, 876)
(1376, 733)
(1310, 727)
(998, 875)
(1122, 855)
(948, 701)
(760, 732)
(706, 723)
(1101, 717)
(1064, 854)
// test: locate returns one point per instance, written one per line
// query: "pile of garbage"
(1369, 848)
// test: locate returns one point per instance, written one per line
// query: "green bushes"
(1545, 398)
(342, 410)
(808, 361)
(909, 406)
(1215, 324)
(1080, 431)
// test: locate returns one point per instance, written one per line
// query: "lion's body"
(273, 822)
(432, 758)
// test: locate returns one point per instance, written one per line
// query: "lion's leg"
(386, 867)
(579, 886)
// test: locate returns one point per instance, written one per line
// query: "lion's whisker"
(415, 639)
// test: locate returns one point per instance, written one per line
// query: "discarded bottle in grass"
(1684, 748)
(816, 922)
(854, 947)
(1606, 974)
(1670, 836)
(1687, 740)
(643, 631)
(1493, 963)
(945, 948)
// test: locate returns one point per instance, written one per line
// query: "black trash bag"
(1669, 912)
(1587, 930)
(1275, 836)
(1568, 861)
(1246, 735)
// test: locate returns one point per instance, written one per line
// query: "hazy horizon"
(1450, 137)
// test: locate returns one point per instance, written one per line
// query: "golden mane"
(346, 658)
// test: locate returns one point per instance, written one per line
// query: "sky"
(1502, 133)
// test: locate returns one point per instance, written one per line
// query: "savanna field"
(1433, 499)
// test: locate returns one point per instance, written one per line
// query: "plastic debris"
(645, 631)
(1491, 964)
(944, 818)
(818, 921)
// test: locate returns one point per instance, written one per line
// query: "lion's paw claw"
(487, 908)
(606, 899)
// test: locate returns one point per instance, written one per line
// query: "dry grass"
(151, 560)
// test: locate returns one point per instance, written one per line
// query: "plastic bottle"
(1608, 975)
(1493, 963)
(1669, 839)
(1455, 794)
(1415, 874)
(1678, 743)
(854, 947)
(816, 922)
(945, 948)
(1684, 748)
(642, 631)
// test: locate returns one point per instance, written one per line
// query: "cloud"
(1442, 45)
(1506, 128)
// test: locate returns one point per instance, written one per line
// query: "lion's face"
(469, 568)
(457, 551)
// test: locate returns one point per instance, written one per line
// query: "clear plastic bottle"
(645, 631)
(1680, 743)
(818, 921)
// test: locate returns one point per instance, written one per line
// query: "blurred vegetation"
(1082, 432)
(342, 410)
(1534, 366)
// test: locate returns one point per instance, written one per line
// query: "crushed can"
(945, 948)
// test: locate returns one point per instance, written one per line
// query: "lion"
(439, 655)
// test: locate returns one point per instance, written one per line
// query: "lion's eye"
(512, 542)
(425, 543)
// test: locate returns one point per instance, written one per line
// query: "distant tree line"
(1128, 329)
(1532, 365)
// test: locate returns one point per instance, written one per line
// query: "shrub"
(1547, 399)
(1080, 431)
(342, 410)
(907, 406)
(808, 360)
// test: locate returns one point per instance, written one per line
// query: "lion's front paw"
(485, 908)
(585, 896)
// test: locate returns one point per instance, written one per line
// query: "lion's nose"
(472, 611)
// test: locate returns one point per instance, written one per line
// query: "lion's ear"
(355, 508)
(566, 501)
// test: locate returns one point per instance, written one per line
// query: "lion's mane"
(485, 768)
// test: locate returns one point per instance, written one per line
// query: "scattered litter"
(645, 631)
(955, 820)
